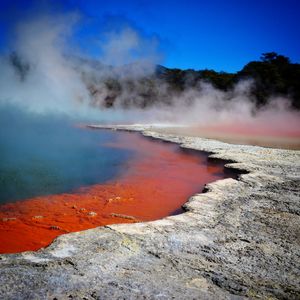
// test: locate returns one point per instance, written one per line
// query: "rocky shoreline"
(239, 239)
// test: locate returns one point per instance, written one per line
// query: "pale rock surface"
(239, 239)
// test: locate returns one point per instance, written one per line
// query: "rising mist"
(45, 72)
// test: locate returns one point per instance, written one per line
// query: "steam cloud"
(54, 77)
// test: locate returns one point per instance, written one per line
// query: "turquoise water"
(45, 155)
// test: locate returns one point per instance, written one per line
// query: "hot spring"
(57, 177)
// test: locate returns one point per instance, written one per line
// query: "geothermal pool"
(75, 178)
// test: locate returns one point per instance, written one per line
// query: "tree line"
(273, 75)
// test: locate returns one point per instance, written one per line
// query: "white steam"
(127, 46)
(58, 82)
(51, 84)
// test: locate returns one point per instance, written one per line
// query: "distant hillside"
(273, 75)
(137, 85)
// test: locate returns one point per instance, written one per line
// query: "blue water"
(41, 155)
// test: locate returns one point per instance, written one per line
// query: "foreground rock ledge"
(239, 239)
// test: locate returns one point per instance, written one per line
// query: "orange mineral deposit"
(154, 183)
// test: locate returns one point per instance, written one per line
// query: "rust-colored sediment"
(154, 184)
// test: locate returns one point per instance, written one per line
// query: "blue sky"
(215, 34)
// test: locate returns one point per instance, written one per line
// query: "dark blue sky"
(221, 35)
